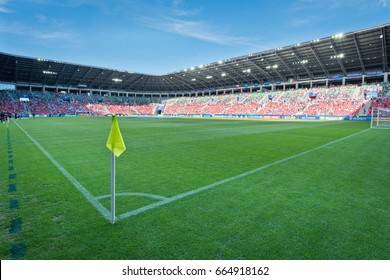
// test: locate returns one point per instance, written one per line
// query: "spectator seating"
(332, 101)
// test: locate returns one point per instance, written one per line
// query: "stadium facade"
(350, 58)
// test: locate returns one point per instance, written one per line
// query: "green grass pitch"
(310, 201)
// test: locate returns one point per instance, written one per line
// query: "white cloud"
(56, 35)
(331, 5)
(298, 22)
(300, 5)
(305, 21)
(63, 3)
(4, 9)
(179, 10)
(187, 12)
(41, 18)
(194, 29)
(28, 32)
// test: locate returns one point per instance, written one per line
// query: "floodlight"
(49, 72)
(338, 35)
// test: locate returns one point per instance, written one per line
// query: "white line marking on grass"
(180, 196)
(158, 197)
(78, 186)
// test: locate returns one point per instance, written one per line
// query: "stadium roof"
(355, 53)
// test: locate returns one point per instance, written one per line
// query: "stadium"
(280, 154)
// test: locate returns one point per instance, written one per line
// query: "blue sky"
(163, 36)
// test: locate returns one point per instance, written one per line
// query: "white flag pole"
(112, 188)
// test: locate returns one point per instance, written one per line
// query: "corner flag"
(115, 141)
(116, 145)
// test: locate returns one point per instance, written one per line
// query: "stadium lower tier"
(333, 101)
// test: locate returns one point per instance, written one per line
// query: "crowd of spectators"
(332, 101)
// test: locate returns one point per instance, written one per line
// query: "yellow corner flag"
(115, 141)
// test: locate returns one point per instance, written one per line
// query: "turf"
(330, 203)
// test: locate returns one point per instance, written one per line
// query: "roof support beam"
(96, 82)
(338, 58)
(86, 75)
(236, 69)
(132, 79)
(285, 64)
(359, 54)
(271, 67)
(138, 81)
(231, 76)
(108, 79)
(71, 80)
(59, 75)
(6, 62)
(302, 63)
(32, 69)
(208, 71)
(16, 70)
(193, 74)
(261, 70)
(251, 72)
(146, 82)
(185, 85)
(318, 59)
(385, 62)
(232, 72)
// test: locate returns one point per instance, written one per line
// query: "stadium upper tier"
(342, 56)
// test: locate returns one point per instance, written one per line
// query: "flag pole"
(112, 188)
(117, 146)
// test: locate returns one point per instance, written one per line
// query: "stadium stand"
(321, 101)
(334, 101)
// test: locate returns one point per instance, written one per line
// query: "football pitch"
(195, 189)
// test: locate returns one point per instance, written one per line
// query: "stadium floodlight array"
(380, 117)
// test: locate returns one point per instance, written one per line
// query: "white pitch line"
(106, 214)
(153, 196)
(180, 196)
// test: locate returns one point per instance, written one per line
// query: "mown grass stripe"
(18, 250)
(14, 203)
(11, 187)
(15, 226)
